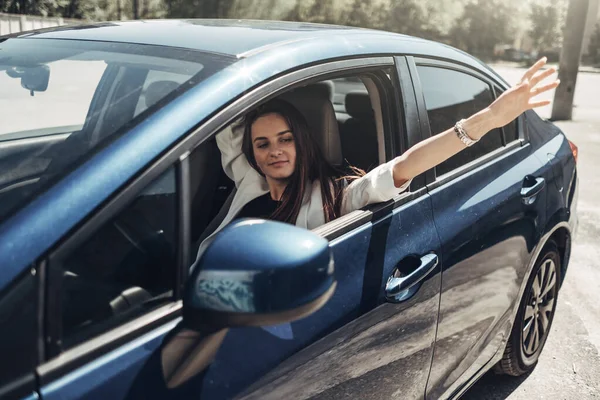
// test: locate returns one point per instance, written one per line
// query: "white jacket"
(375, 187)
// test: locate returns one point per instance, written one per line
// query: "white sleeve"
(375, 187)
(234, 162)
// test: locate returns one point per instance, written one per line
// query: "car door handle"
(397, 287)
(532, 186)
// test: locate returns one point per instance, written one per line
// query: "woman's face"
(274, 147)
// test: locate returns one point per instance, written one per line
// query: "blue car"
(110, 178)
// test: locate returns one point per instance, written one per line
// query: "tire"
(539, 300)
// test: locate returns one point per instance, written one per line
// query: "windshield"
(61, 99)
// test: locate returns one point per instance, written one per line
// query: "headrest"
(157, 90)
(313, 101)
(358, 105)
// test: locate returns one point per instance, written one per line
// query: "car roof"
(219, 36)
(244, 38)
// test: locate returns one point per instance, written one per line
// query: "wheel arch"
(558, 231)
(562, 237)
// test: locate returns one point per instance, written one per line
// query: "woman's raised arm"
(512, 103)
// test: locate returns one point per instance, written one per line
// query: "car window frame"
(24, 384)
(434, 181)
(178, 155)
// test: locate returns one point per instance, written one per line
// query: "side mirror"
(254, 273)
(34, 79)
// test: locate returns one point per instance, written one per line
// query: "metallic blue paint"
(488, 236)
(261, 267)
(114, 375)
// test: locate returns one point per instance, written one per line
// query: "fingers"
(539, 103)
(534, 68)
(545, 88)
(542, 75)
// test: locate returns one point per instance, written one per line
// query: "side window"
(126, 267)
(450, 96)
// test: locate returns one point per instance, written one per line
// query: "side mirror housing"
(254, 273)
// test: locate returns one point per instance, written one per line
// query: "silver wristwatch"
(463, 135)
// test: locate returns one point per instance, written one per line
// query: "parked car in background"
(509, 53)
(110, 177)
(553, 55)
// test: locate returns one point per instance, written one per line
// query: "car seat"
(359, 132)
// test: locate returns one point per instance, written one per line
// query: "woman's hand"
(520, 98)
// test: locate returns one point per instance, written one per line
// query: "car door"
(375, 335)
(489, 209)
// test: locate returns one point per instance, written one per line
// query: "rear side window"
(450, 96)
(124, 269)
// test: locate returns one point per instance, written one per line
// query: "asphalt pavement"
(569, 367)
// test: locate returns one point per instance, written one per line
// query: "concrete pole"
(569, 59)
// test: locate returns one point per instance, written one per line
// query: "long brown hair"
(310, 165)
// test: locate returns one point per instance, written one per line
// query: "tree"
(483, 25)
(546, 22)
(594, 45)
(406, 16)
(366, 14)
(358, 13)
(200, 8)
(320, 11)
(32, 7)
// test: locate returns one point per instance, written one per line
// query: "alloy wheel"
(539, 309)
